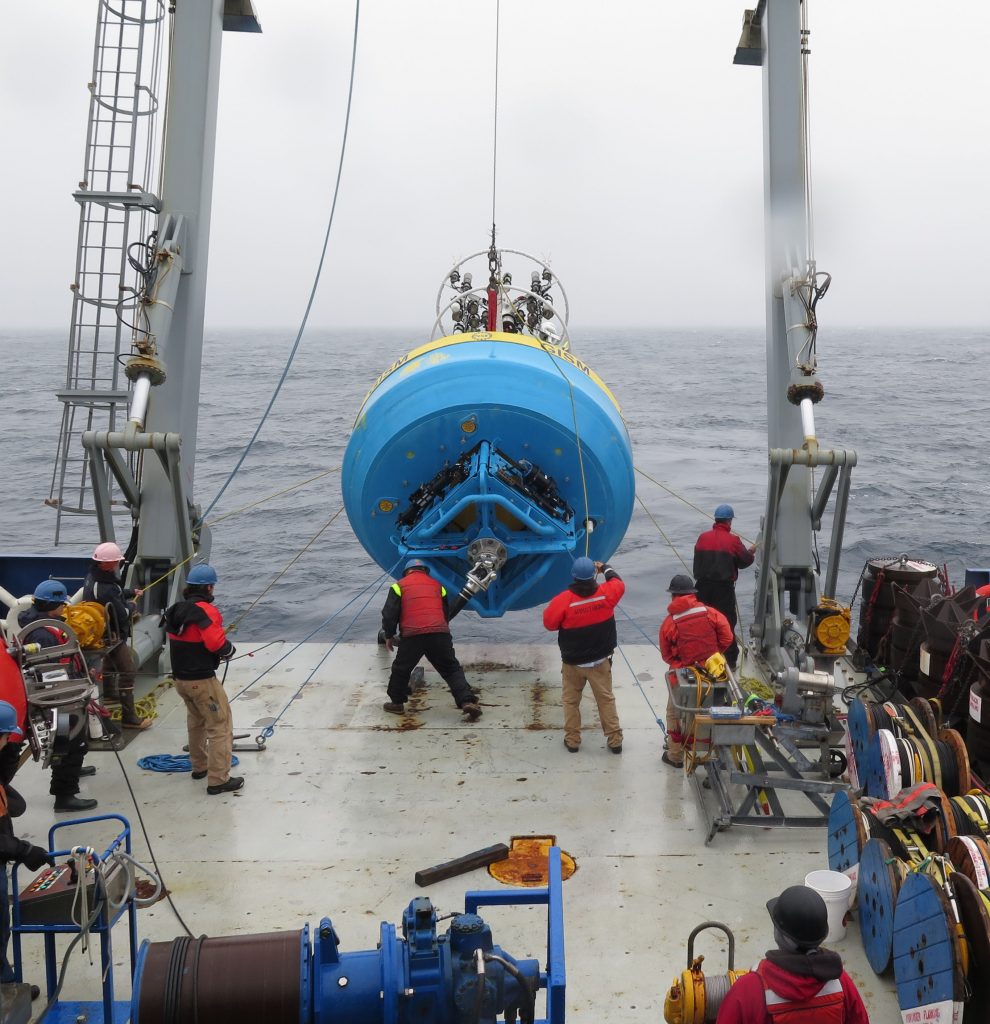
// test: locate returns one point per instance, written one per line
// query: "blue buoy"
(490, 443)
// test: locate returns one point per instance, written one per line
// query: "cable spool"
(928, 949)
(693, 998)
(971, 814)
(978, 728)
(880, 877)
(912, 718)
(848, 832)
(971, 856)
(896, 762)
(974, 915)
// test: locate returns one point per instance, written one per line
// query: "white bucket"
(835, 889)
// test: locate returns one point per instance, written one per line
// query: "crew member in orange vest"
(982, 610)
(417, 606)
(799, 982)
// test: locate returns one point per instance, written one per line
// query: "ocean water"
(911, 402)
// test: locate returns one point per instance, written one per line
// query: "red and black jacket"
(196, 640)
(719, 555)
(584, 619)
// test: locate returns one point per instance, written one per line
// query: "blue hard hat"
(583, 568)
(724, 512)
(8, 718)
(202, 575)
(52, 591)
(416, 563)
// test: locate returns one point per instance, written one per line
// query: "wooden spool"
(945, 825)
(879, 883)
(971, 857)
(860, 731)
(923, 709)
(955, 743)
(975, 920)
(847, 836)
(927, 949)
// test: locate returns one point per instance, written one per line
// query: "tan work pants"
(210, 725)
(599, 679)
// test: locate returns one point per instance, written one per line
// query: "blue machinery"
(52, 904)
(460, 977)
(492, 446)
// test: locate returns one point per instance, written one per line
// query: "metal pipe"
(808, 422)
(139, 401)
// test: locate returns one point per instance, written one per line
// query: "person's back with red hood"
(801, 982)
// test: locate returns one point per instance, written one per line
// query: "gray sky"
(629, 154)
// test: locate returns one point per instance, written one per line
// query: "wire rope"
(498, 18)
(316, 279)
(277, 494)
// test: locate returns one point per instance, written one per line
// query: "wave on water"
(695, 406)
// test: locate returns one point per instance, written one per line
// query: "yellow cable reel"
(832, 625)
(693, 998)
(88, 620)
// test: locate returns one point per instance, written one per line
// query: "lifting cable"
(269, 730)
(240, 618)
(316, 279)
(326, 622)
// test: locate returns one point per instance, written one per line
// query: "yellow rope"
(295, 559)
(670, 543)
(277, 494)
(680, 497)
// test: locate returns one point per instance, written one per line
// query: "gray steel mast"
(164, 369)
(775, 36)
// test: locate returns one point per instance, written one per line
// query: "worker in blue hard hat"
(800, 981)
(719, 554)
(584, 617)
(418, 608)
(104, 586)
(197, 644)
(13, 850)
(48, 603)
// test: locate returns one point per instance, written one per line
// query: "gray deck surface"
(348, 802)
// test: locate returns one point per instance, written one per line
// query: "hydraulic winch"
(458, 977)
(694, 998)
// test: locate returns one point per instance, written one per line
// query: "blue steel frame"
(102, 927)
(555, 979)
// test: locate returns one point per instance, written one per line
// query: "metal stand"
(106, 1011)
(755, 752)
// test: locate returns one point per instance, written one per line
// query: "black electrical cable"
(151, 850)
(527, 1014)
(97, 910)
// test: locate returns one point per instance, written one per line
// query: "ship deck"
(348, 802)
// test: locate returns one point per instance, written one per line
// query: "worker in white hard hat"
(103, 585)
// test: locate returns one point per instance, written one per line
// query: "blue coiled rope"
(172, 763)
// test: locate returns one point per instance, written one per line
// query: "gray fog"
(629, 155)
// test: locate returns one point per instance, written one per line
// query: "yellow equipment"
(693, 998)
(829, 626)
(88, 620)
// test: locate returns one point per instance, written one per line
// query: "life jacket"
(13, 692)
(826, 1007)
(694, 634)
(983, 608)
(422, 604)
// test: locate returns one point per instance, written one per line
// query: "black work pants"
(721, 595)
(67, 764)
(438, 649)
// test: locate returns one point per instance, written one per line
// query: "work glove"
(34, 857)
(390, 644)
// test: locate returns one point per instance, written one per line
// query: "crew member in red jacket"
(799, 982)
(690, 635)
(417, 606)
(719, 554)
(585, 622)
(197, 644)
